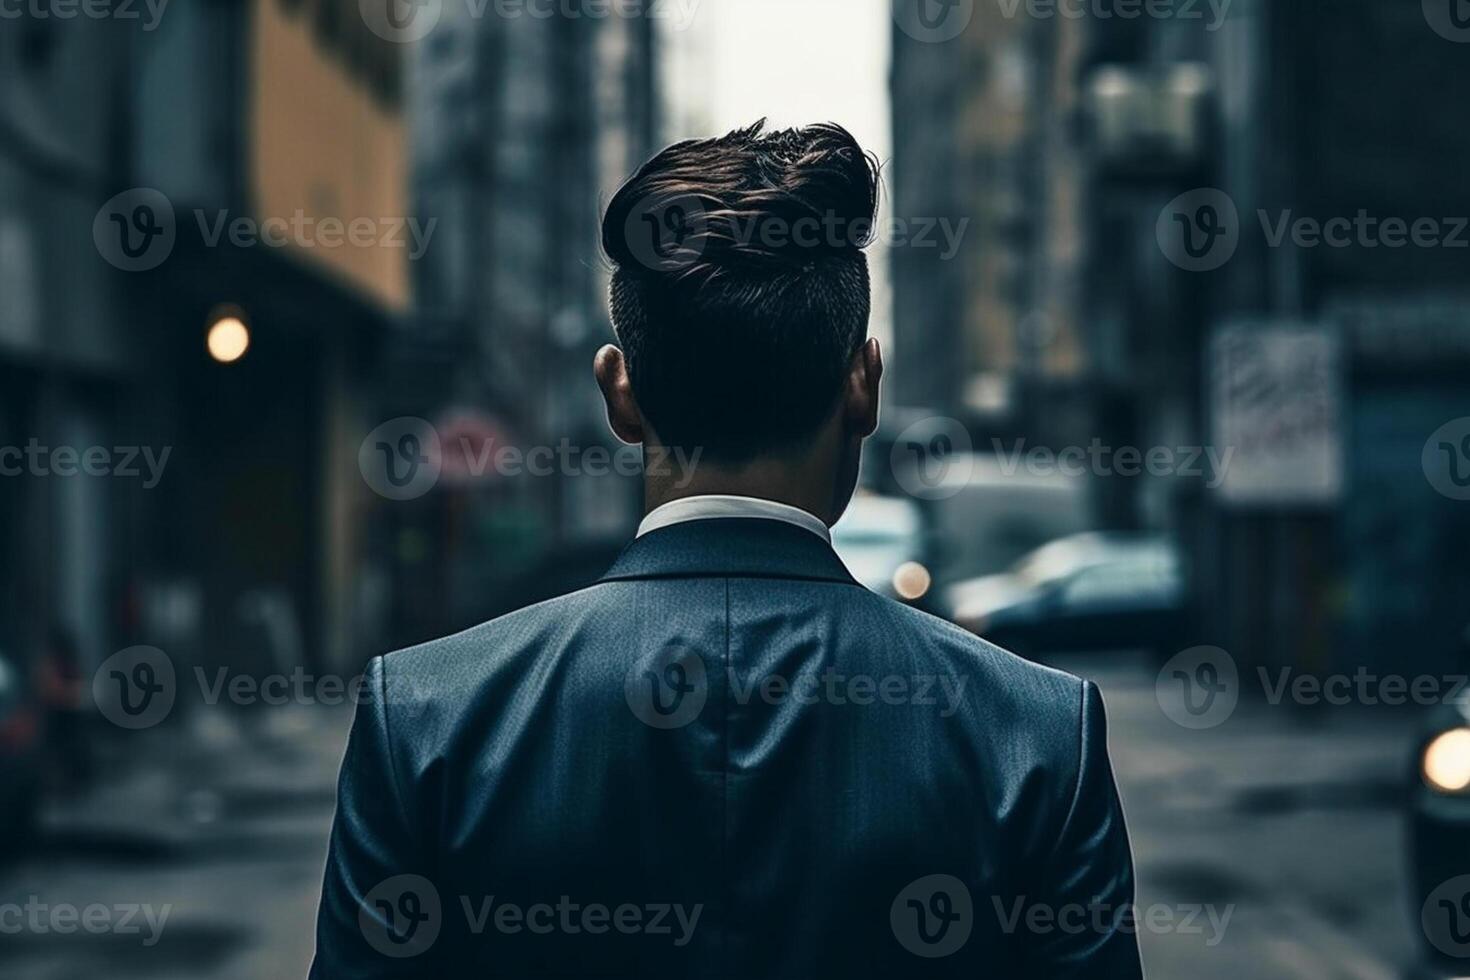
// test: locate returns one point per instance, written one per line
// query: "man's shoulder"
(1004, 675)
(501, 637)
(510, 645)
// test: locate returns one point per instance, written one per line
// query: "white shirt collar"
(714, 505)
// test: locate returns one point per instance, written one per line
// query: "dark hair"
(740, 289)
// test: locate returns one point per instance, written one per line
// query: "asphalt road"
(1269, 847)
(1292, 824)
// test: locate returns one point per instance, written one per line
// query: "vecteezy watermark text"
(403, 916)
(148, 11)
(933, 917)
(671, 233)
(37, 917)
(35, 459)
(408, 21)
(305, 231)
(831, 686)
(137, 230)
(1104, 918)
(1363, 686)
(404, 458)
(570, 918)
(1200, 687)
(1098, 459)
(670, 688)
(1200, 230)
(1189, 10)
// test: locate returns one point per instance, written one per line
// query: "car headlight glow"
(911, 581)
(1446, 762)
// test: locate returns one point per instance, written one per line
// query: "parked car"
(882, 541)
(20, 752)
(986, 514)
(1085, 592)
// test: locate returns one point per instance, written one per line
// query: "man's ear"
(860, 400)
(611, 370)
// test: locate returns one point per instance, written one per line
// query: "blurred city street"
(222, 829)
(1292, 827)
(1296, 822)
(299, 301)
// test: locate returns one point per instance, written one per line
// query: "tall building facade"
(67, 353)
(1325, 363)
(524, 126)
(157, 179)
(983, 136)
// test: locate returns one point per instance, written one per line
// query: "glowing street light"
(228, 338)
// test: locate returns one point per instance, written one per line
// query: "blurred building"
(1325, 367)
(523, 127)
(983, 131)
(68, 359)
(240, 133)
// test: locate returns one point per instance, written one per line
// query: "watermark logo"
(1446, 459)
(667, 233)
(401, 917)
(136, 230)
(135, 688)
(1450, 19)
(1199, 230)
(401, 21)
(404, 916)
(669, 689)
(1446, 917)
(933, 916)
(1198, 688)
(670, 233)
(933, 21)
(406, 457)
(931, 459)
(401, 458)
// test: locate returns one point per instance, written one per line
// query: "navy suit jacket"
(725, 759)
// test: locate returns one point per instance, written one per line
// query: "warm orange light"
(228, 339)
(1447, 761)
(912, 581)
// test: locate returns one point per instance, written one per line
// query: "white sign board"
(1276, 408)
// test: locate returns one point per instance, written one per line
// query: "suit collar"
(713, 505)
(740, 547)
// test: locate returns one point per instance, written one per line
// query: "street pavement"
(1269, 847)
(221, 827)
(1293, 822)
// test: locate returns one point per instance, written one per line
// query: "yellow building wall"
(324, 145)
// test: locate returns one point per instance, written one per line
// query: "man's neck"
(778, 480)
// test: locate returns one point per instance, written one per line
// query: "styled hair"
(740, 290)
